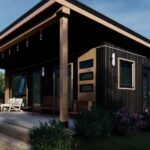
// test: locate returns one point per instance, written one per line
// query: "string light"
(2, 55)
(9, 52)
(43, 71)
(41, 35)
(17, 47)
(27, 42)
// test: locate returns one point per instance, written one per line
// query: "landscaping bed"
(139, 141)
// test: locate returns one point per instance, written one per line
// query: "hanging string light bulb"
(27, 42)
(17, 47)
(43, 71)
(41, 35)
(9, 52)
(2, 55)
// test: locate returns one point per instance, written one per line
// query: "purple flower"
(125, 120)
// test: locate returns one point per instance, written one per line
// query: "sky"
(10, 10)
(134, 14)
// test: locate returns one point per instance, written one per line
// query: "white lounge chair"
(17, 104)
(7, 105)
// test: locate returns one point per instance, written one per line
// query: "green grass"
(140, 141)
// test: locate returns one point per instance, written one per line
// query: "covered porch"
(29, 120)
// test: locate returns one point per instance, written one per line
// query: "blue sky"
(134, 14)
(10, 10)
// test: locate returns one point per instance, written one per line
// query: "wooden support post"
(64, 70)
(7, 88)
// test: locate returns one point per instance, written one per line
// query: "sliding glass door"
(36, 88)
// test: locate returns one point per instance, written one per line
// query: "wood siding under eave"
(87, 99)
(108, 94)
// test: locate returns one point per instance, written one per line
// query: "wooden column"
(7, 88)
(64, 69)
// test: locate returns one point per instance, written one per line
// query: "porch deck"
(28, 119)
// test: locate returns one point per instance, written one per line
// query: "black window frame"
(84, 73)
(86, 90)
(86, 63)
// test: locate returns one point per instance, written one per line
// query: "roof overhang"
(28, 18)
(103, 22)
(74, 7)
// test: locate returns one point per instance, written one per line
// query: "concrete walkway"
(9, 143)
(28, 119)
(14, 128)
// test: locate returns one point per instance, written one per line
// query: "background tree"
(2, 84)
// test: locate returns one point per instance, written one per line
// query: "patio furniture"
(7, 105)
(17, 104)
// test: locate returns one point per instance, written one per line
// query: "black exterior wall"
(108, 94)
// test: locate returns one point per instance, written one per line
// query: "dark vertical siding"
(107, 80)
(100, 76)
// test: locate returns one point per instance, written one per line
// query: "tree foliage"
(2, 82)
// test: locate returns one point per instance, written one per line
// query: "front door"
(146, 88)
(36, 88)
(70, 86)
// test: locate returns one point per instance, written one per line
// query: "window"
(86, 76)
(126, 70)
(86, 88)
(19, 85)
(86, 64)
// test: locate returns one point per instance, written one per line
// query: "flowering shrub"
(145, 119)
(125, 121)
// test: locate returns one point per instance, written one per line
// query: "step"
(9, 143)
(14, 131)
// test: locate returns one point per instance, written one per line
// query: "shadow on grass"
(140, 141)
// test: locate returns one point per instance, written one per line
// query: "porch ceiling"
(37, 52)
(84, 34)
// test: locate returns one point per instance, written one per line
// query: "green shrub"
(93, 124)
(51, 136)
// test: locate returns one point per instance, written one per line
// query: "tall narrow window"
(126, 74)
(19, 85)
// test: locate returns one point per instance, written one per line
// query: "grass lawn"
(140, 141)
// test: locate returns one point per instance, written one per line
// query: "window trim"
(133, 74)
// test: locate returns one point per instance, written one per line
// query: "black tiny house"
(114, 78)
(56, 55)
